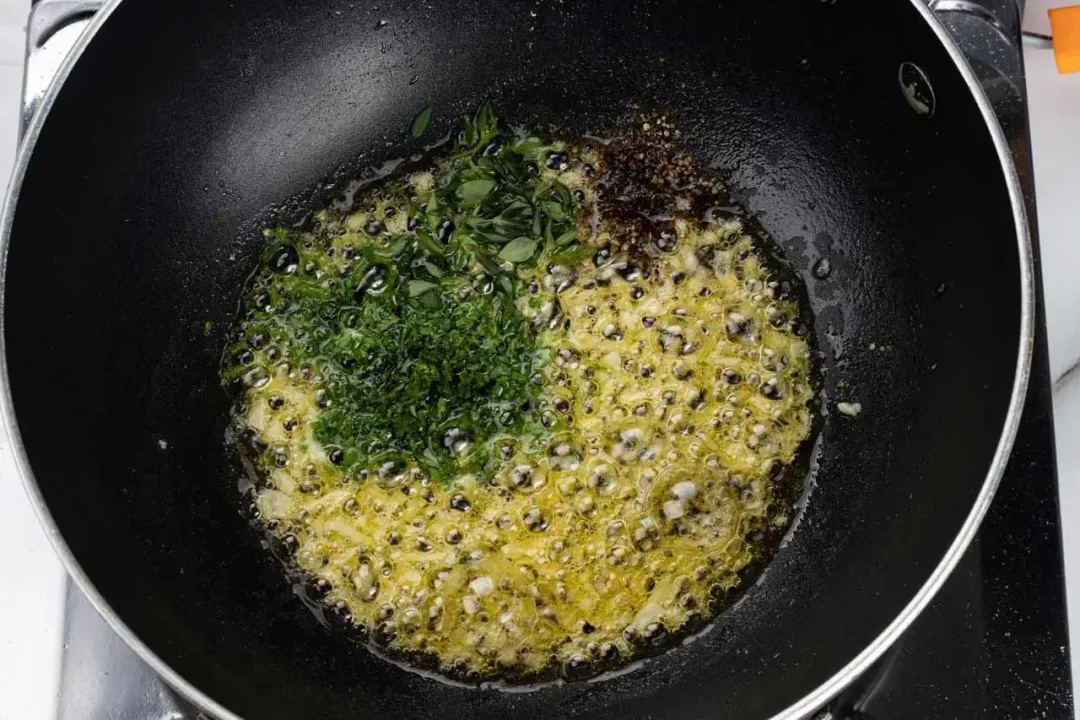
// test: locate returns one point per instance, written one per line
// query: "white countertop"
(31, 589)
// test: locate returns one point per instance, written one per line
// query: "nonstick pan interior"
(185, 124)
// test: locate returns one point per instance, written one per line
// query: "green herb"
(437, 383)
(473, 191)
(572, 255)
(490, 210)
(208, 326)
(419, 287)
(429, 371)
(519, 249)
(420, 122)
(414, 337)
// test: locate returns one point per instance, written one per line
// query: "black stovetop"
(993, 645)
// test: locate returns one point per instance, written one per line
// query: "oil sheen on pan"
(526, 410)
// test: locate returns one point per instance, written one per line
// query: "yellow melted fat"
(680, 397)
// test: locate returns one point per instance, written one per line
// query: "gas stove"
(993, 644)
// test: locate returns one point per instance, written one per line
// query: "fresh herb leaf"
(527, 146)
(429, 245)
(477, 131)
(493, 238)
(554, 211)
(519, 249)
(572, 255)
(420, 122)
(486, 121)
(419, 287)
(491, 267)
(473, 191)
(394, 249)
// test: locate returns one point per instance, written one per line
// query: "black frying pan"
(185, 124)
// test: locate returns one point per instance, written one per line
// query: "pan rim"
(812, 701)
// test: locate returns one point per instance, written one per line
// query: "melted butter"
(677, 390)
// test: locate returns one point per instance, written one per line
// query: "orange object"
(1065, 26)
